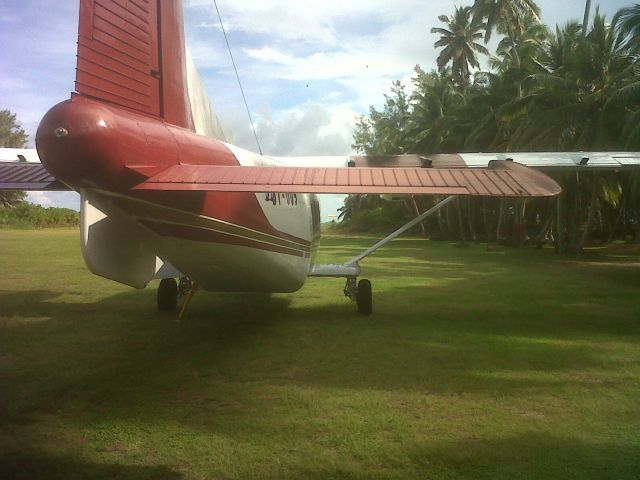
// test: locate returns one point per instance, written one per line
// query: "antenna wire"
(253, 127)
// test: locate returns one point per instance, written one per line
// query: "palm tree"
(560, 91)
(526, 47)
(585, 22)
(627, 22)
(491, 125)
(576, 103)
(579, 102)
(435, 103)
(459, 42)
(506, 17)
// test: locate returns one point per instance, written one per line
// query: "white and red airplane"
(163, 196)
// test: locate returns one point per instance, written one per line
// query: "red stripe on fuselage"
(154, 213)
(199, 234)
(236, 208)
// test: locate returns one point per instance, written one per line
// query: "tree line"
(572, 88)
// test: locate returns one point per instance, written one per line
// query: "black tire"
(364, 297)
(167, 295)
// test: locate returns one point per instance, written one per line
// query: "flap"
(501, 179)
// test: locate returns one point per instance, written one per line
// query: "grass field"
(517, 364)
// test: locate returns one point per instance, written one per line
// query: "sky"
(308, 68)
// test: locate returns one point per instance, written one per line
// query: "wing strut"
(360, 292)
(355, 260)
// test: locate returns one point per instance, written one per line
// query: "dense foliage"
(562, 90)
(11, 134)
(27, 215)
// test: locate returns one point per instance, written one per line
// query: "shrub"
(28, 215)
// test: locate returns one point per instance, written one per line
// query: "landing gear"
(167, 295)
(360, 292)
(184, 287)
(364, 298)
(188, 289)
(170, 292)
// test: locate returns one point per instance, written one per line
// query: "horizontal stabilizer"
(27, 176)
(500, 179)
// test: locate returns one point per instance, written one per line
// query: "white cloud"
(355, 49)
(55, 199)
(40, 198)
(268, 54)
(310, 129)
(309, 22)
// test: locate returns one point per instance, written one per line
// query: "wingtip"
(546, 185)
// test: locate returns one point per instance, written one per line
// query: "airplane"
(164, 196)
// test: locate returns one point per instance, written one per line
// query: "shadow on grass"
(112, 353)
(28, 466)
(533, 455)
(133, 304)
(620, 273)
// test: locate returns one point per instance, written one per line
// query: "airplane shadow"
(430, 346)
(32, 465)
(541, 455)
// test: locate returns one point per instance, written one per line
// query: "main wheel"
(167, 295)
(364, 298)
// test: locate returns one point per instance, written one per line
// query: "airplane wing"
(19, 155)
(548, 161)
(20, 169)
(500, 178)
(445, 177)
(28, 176)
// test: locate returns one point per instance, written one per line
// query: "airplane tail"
(132, 53)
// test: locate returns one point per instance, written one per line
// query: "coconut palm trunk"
(585, 22)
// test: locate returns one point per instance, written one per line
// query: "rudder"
(131, 53)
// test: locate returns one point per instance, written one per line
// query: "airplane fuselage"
(224, 241)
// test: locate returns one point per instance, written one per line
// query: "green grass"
(506, 365)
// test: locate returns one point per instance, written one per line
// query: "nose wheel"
(361, 293)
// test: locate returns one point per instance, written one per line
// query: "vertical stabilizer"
(204, 117)
(131, 53)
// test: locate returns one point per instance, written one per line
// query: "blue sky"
(308, 68)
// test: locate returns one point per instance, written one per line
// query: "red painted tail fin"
(131, 53)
